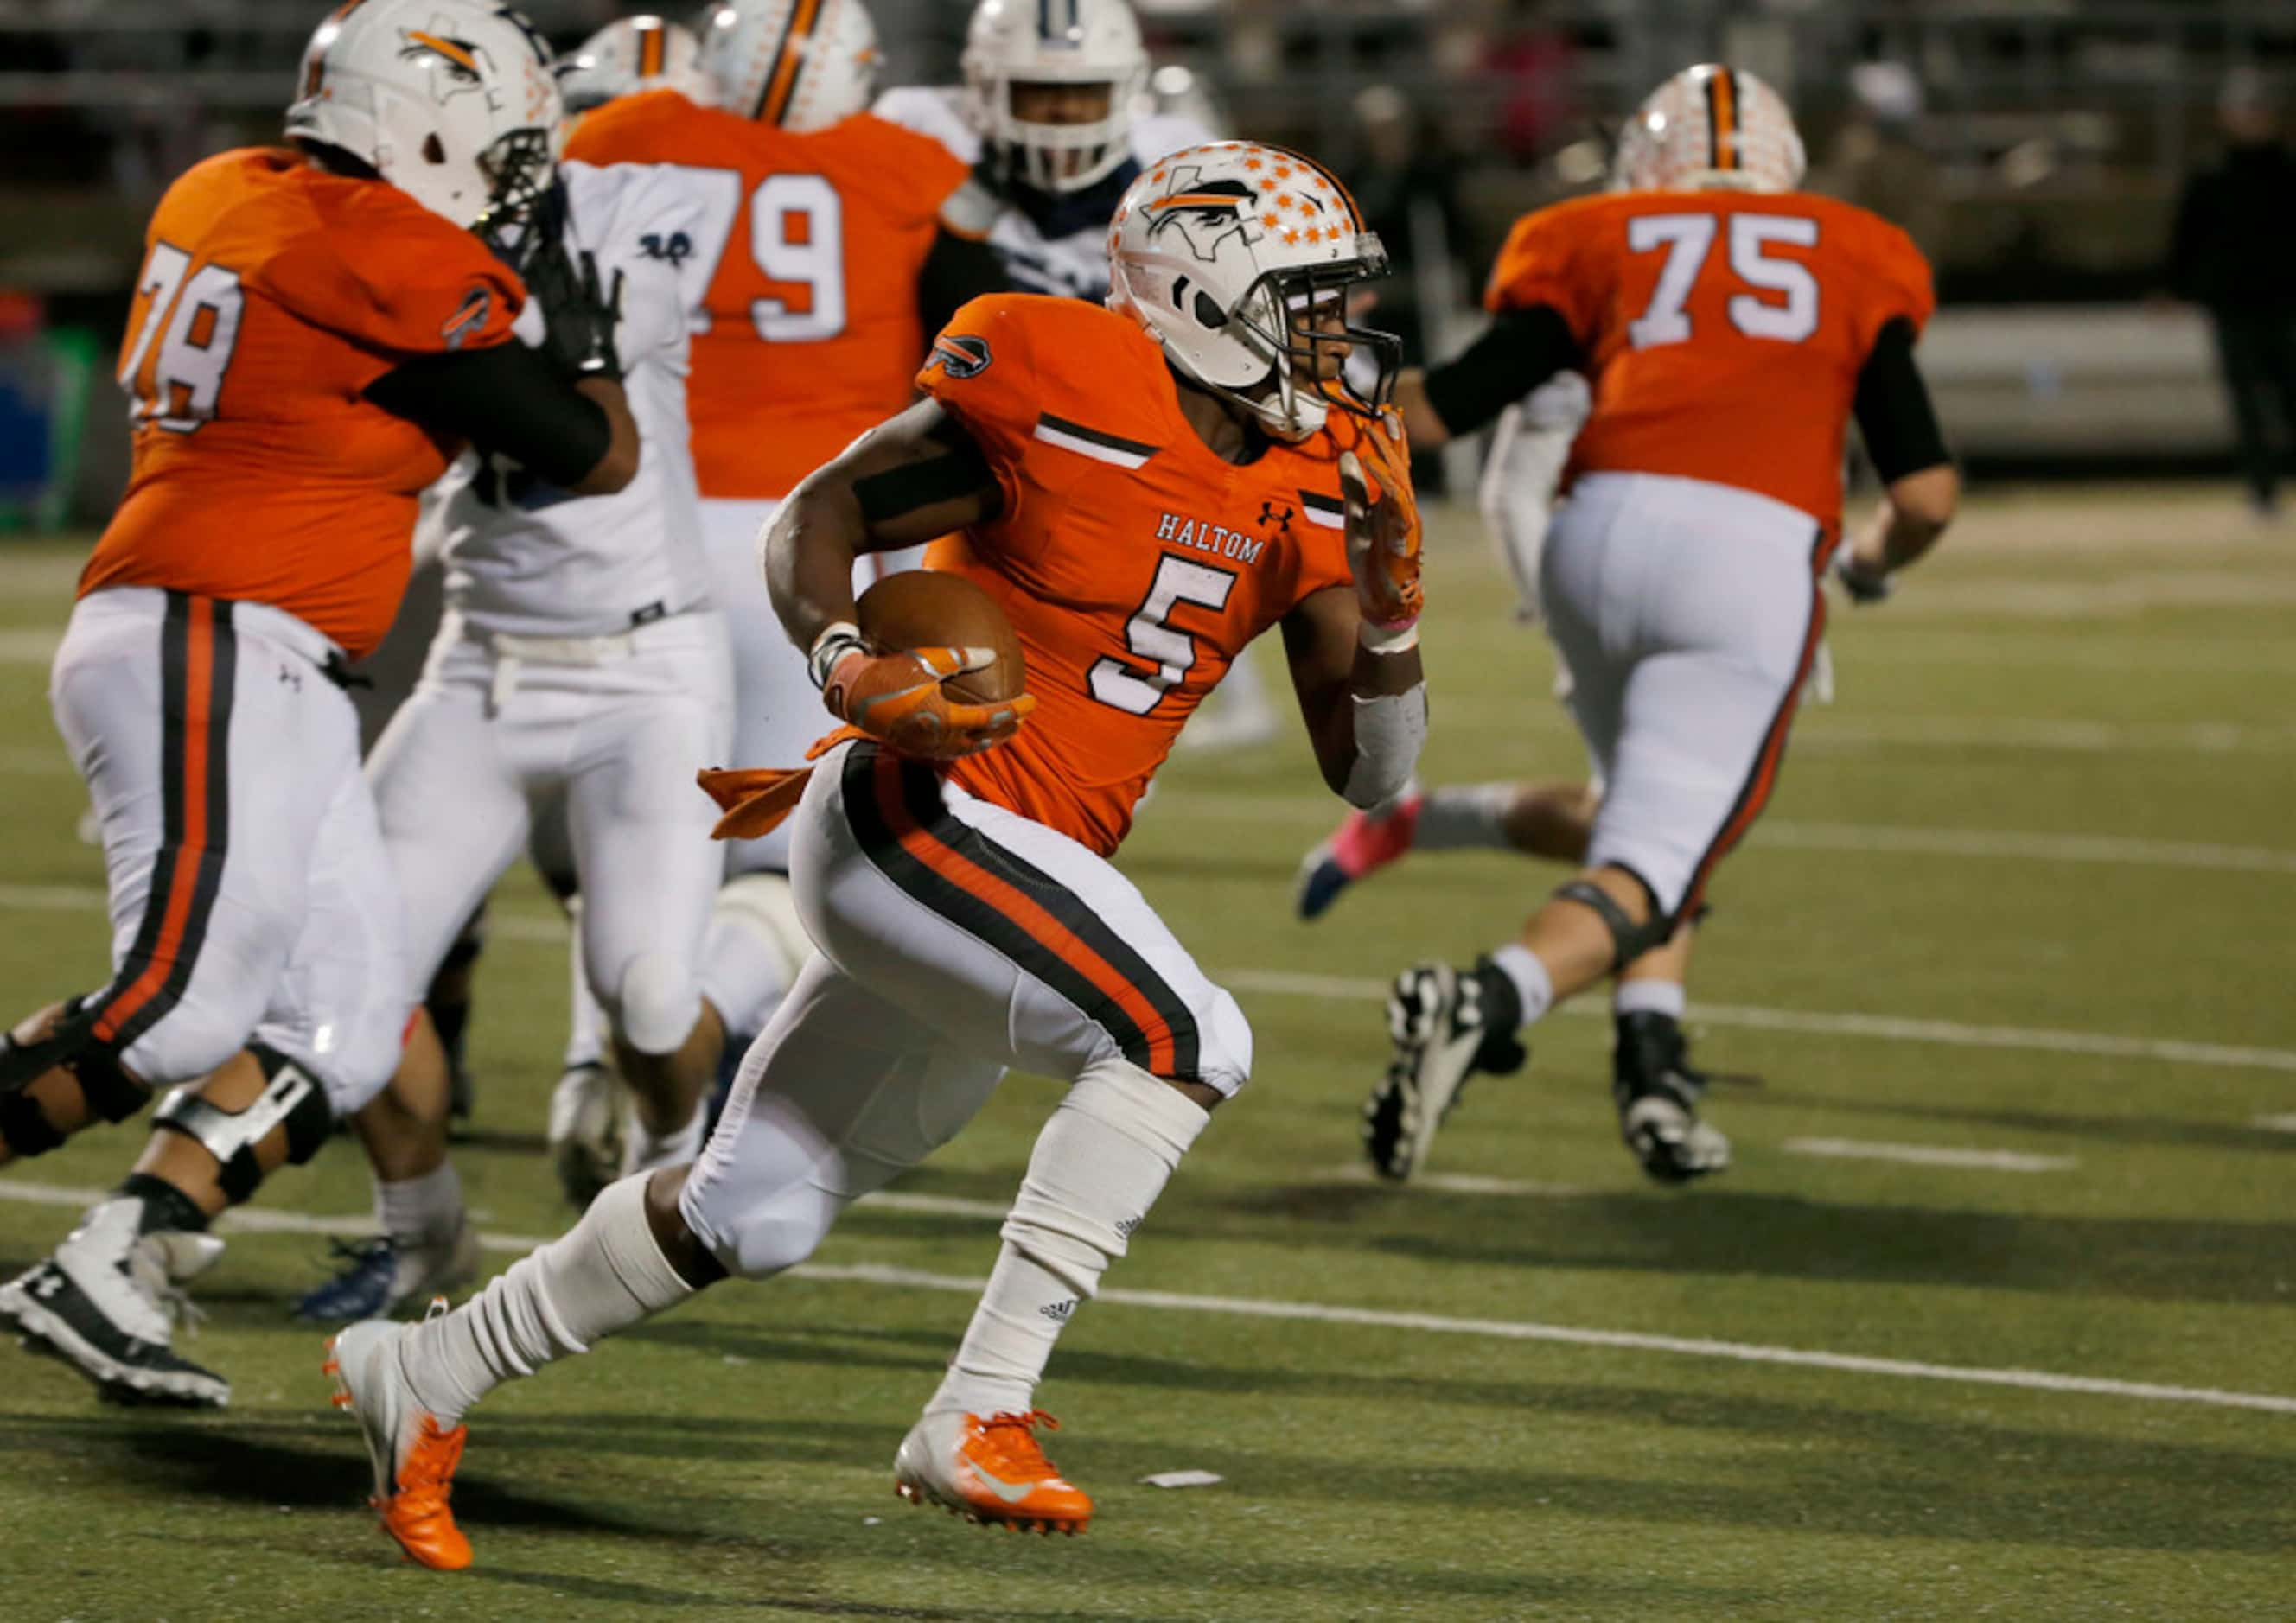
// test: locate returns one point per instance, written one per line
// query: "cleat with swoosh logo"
(990, 1472)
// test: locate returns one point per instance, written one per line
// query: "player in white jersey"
(579, 665)
(1048, 117)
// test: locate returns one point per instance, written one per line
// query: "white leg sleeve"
(606, 1273)
(1098, 1167)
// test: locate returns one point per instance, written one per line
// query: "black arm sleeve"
(1893, 407)
(506, 398)
(1521, 350)
(957, 271)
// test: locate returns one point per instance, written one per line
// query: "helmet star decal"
(1203, 214)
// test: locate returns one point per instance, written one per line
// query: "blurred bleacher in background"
(2034, 147)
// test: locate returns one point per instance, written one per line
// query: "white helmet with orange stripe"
(629, 55)
(802, 64)
(1237, 257)
(1709, 127)
(451, 100)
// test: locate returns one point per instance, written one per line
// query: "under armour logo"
(676, 248)
(1276, 513)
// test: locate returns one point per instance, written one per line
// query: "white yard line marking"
(1467, 1183)
(1312, 816)
(1513, 1330)
(1928, 1155)
(1282, 983)
(1505, 1330)
(2006, 732)
(2277, 1124)
(259, 1220)
(1348, 988)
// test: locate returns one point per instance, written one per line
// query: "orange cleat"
(990, 1472)
(413, 1457)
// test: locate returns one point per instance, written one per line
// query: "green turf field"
(2025, 894)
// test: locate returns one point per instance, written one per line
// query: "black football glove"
(578, 317)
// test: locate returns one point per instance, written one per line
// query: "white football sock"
(1652, 996)
(642, 1152)
(1098, 1167)
(1470, 817)
(1520, 965)
(586, 1022)
(606, 1274)
(423, 1211)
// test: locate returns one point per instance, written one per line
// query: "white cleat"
(1436, 1020)
(586, 1131)
(108, 1303)
(412, 1455)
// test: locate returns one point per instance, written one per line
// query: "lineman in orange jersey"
(314, 331)
(824, 259)
(1144, 490)
(1732, 327)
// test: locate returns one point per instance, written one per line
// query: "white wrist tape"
(1387, 639)
(830, 647)
(1390, 730)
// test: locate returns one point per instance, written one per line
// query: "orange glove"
(1383, 534)
(897, 699)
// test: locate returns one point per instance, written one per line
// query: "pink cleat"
(1365, 843)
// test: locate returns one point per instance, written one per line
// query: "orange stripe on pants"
(198, 696)
(1023, 910)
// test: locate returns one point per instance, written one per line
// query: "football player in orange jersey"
(315, 330)
(830, 245)
(1143, 490)
(1733, 326)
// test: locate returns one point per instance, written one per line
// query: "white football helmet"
(802, 64)
(630, 55)
(1708, 126)
(1053, 42)
(1225, 252)
(451, 100)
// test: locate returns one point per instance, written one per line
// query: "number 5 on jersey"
(1169, 652)
(178, 388)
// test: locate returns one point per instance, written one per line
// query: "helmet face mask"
(1030, 67)
(452, 102)
(1237, 258)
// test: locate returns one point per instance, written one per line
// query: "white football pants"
(619, 725)
(1689, 614)
(953, 939)
(251, 900)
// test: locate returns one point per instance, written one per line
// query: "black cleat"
(1446, 1025)
(105, 1305)
(1657, 1090)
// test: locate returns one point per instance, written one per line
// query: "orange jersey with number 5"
(1133, 563)
(1724, 331)
(801, 275)
(272, 295)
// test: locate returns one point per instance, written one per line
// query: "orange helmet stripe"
(446, 48)
(1722, 117)
(1197, 199)
(653, 39)
(782, 86)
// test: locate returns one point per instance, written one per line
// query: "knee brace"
(108, 1092)
(1628, 939)
(657, 1002)
(292, 1097)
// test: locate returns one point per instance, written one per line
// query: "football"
(931, 609)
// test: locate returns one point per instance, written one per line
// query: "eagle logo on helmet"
(1203, 214)
(461, 57)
